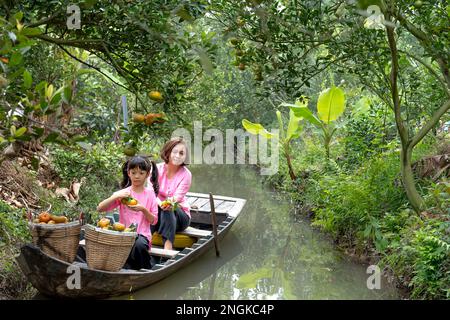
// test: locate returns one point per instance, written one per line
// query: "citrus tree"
(383, 43)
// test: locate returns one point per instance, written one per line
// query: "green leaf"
(38, 132)
(40, 86)
(256, 128)
(108, 76)
(67, 94)
(12, 130)
(18, 15)
(16, 59)
(51, 137)
(31, 31)
(294, 128)
(20, 132)
(280, 124)
(49, 92)
(27, 79)
(56, 99)
(304, 112)
(331, 104)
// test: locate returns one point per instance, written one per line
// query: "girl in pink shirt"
(143, 214)
(174, 181)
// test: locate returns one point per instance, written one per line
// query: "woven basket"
(57, 240)
(107, 250)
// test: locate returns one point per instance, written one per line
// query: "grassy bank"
(363, 206)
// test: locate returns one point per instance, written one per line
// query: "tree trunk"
(413, 195)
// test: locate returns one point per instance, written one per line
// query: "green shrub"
(102, 161)
(13, 225)
(422, 258)
(349, 205)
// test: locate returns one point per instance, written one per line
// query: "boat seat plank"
(191, 200)
(154, 251)
(163, 252)
(207, 205)
(199, 203)
(225, 206)
(194, 232)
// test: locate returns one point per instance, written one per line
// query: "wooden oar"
(213, 221)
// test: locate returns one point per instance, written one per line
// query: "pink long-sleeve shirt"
(127, 216)
(176, 187)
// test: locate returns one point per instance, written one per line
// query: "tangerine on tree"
(156, 96)
(129, 151)
(139, 118)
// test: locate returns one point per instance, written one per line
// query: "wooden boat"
(51, 276)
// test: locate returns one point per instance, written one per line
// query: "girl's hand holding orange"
(136, 207)
(166, 207)
(122, 194)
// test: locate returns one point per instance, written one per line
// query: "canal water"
(267, 254)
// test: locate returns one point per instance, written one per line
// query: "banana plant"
(330, 106)
(293, 131)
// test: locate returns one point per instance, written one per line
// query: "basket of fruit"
(56, 236)
(108, 247)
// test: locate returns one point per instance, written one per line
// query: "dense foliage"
(375, 175)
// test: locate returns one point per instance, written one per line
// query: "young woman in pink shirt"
(174, 182)
(143, 214)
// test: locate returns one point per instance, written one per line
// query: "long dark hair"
(143, 164)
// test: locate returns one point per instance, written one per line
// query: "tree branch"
(121, 72)
(94, 67)
(402, 130)
(84, 44)
(426, 42)
(432, 71)
(430, 124)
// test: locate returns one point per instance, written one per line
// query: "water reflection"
(266, 255)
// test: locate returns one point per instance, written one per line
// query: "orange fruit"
(137, 117)
(129, 201)
(44, 217)
(118, 226)
(149, 119)
(104, 222)
(58, 219)
(51, 222)
(156, 96)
